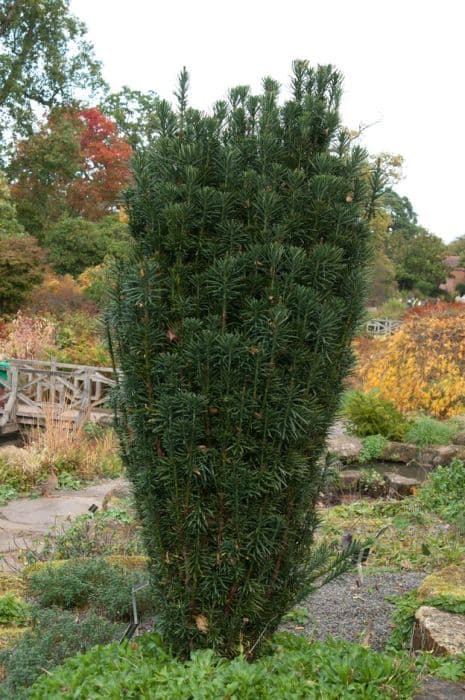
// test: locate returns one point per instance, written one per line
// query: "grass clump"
(370, 414)
(290, 667)
(54, 636)
(428, 431)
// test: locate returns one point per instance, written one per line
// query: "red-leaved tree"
(76, 164)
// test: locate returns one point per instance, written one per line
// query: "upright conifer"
(232, 327)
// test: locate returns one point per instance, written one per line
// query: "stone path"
(25, 519)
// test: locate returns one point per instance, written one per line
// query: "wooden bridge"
(72, 393)
(382, 326)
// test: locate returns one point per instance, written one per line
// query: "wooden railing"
(382, 326)
(72, 392)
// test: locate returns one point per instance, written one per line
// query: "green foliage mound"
(232, 326)
(370, 414)
(93, 582)
(13, 610)
(54, 636)
(427, 431)
(291, 669)
(73, 243)
(444, 491)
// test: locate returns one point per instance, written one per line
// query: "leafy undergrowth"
(424, 532)
(54, 636)
(291, 667)
(414, 539)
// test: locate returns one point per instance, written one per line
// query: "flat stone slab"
(441, 633)
(29, 517)
(401, 485)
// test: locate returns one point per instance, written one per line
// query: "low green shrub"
(372, 483)
(13, 610)
(54, 636)
(89, 582)
(373, 447)
(428, 431)
(7, 493)
(370, 414)
(290, 668)
(444, 491)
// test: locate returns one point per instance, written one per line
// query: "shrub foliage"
(422, 366)
(233, 327)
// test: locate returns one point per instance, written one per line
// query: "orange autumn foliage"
(421, 366)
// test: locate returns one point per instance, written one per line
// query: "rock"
(346, 447)
(349, 479)
(440, 689)
(460, 438)
(113, 498)
(449, 581)
(441, 633)
(399, 452)
(445, 454)
(400, 485)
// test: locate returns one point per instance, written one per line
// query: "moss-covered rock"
(448, 582)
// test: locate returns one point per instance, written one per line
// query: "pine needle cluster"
(232, 327)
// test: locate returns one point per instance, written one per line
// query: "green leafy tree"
(9, 225)
(232, 326)
(419, 262)
(20, 271)
(134, 113)
(45, 60)
(73, 244)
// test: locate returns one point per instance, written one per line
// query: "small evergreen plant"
(232, 327)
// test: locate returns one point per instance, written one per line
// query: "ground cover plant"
(290, 667)
(88, 583)
(232, 326)
(55, 635)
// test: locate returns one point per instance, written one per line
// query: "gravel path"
(343, 610)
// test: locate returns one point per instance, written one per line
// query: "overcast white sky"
(403, 62)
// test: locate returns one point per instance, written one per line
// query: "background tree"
(20, 271)
(45, 60)
(73, 243)
(233, 327)
(419, 262)
(9, 225)
(134, 113)
(76, 165)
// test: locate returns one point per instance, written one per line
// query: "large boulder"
(460, 438)
(346, 447)
(441, 633)
(440, 689)
(399, 452)
(449, 582)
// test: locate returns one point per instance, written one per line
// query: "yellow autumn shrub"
(421, 366)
